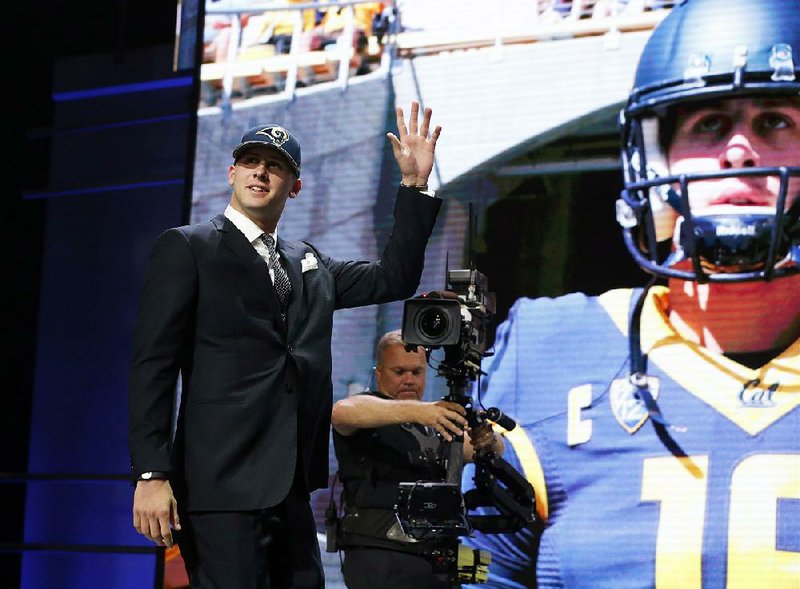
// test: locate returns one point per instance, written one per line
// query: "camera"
(432, 322)
(457, 320)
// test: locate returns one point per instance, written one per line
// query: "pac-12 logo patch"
(627, 405)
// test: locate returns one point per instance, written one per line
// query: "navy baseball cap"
(273, 136)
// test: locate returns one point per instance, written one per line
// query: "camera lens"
(433, 323)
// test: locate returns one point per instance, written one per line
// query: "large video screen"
(529, 166)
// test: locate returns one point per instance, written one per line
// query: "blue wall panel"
(63, 570)
(95, 252)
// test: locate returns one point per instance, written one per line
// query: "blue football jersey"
(711, 501)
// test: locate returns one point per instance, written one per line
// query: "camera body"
(456, 319)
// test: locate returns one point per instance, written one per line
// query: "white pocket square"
(309, 262)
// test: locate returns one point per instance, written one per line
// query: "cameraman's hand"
(482, 439)
(447, 418)
(482, 436)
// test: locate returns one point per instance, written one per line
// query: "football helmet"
(708, 50)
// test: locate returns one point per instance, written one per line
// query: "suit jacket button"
(289, 389)
(290, 348)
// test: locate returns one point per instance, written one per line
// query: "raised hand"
(414, 149)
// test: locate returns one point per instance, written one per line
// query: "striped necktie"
(280, 278)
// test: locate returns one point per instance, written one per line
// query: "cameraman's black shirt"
(373, 461)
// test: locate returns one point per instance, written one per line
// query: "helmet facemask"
(710, 50)
(723, 243)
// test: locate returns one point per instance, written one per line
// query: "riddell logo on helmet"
(727, 230)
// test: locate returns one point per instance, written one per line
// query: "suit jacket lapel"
(255, 264)
(292, 256)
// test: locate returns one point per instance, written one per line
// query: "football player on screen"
(661, 426)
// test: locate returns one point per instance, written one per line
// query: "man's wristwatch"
(153, 475)
(423, 188)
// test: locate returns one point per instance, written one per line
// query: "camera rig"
(457, 320)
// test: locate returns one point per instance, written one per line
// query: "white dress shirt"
(253, 234)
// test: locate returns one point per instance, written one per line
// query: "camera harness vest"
(371, 464)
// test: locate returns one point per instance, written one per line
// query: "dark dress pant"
(272, 548)
(378, 568)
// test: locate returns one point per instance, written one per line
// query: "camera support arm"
(454, 454)
(459, 373)
(457, 321)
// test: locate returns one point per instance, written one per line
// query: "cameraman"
(381, 439)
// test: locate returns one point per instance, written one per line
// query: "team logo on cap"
(278, 135)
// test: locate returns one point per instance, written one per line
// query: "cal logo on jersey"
(754, 394)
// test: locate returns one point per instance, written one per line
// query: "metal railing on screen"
(278, 47)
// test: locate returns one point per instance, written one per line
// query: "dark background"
(39, 34)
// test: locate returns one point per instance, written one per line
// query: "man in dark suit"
(246, 319)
